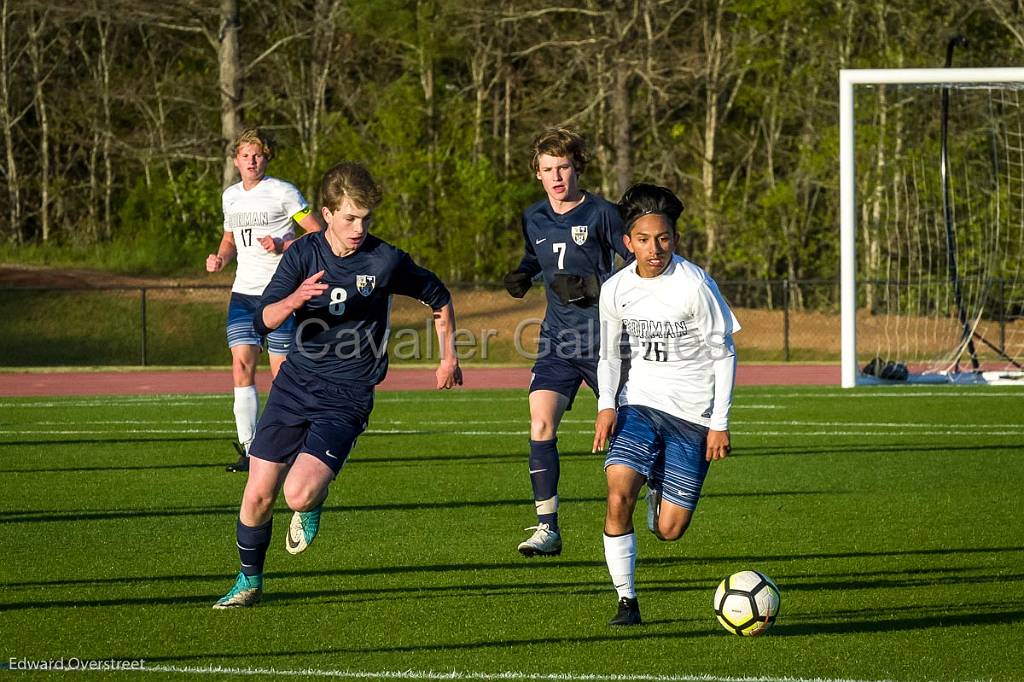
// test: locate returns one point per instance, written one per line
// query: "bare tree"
(41, 71)
(230, 79)
(9, 118)
(103, 64)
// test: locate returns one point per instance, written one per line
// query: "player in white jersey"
(260, 213)
(663, 403)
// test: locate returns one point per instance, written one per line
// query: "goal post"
(908, 287)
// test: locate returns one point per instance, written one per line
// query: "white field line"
(390, 422)
(893, 392)
(179, 400)
(979, 428)
(92, 422)
(967, 431)
(459, 675)
(424, 425)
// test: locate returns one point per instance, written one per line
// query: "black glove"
(518, 283)
(583, 291)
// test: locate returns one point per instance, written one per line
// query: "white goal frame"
(848, 78)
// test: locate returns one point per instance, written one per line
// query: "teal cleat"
(247, 592)
(302, 530)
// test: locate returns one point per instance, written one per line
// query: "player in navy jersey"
(571, 238)
(338, 283)
(665, 399)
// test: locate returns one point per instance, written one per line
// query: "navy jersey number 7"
(581, 242)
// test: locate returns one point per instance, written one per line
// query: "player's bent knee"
(301, 497)
(672, 530)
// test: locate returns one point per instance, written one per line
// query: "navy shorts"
(241, 312)
(563, 375)
(304, 414)
(668, 451)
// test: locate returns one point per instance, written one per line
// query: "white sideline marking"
(795, 422)
(179, 400)
(101, 432)
(887, 392)
(457, 675)
(425, 426)
(417, 422)
(65, 422)
(969, 432)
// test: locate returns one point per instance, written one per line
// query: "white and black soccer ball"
(747, 603)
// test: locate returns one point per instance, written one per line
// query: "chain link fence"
(782, 320)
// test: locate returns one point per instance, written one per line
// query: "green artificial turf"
(890, 518)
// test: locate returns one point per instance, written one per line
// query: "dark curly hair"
(644, 199)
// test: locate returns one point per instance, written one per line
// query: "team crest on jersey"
(365, 284)
(579, 234)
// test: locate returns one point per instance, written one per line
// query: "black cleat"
(243, 460)
(629, 612)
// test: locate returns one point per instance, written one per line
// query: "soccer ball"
(746, 603)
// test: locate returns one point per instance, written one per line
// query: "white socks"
(620, 555)
(247, 406)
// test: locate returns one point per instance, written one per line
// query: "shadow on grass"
(897, 624)
(617, 636)
(649, 631)
(824, 581)
(59, 516)
(54, 516)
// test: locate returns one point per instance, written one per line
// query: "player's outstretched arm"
(603, 428)
(275, 314)
(215, 262)
(449, 374)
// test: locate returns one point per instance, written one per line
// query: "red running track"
(36, 384)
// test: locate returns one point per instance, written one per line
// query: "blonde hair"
(565, 142)
(352, 180)
(258, 137)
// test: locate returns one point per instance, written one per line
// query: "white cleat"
(543, 542)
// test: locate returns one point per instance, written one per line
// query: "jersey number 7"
(559, 249)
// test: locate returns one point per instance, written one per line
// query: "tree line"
(116, 114)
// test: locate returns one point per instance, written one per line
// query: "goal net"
(932, 225)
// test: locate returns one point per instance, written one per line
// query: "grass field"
(890, 519)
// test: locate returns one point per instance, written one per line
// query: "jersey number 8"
(338, 298)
